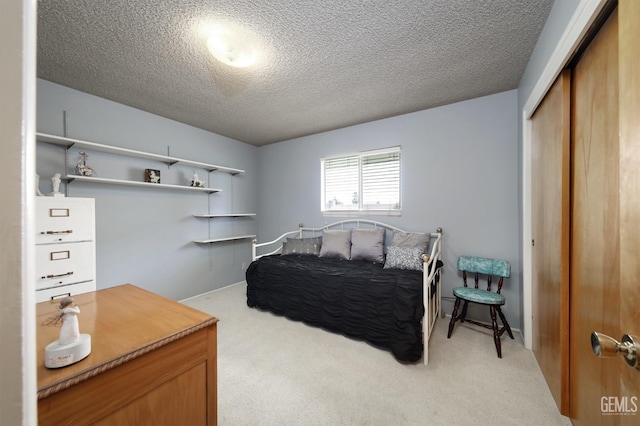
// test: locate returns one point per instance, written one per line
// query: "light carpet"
(274, 371)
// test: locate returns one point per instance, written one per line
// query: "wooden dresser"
(153, 362)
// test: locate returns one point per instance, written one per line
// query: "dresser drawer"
(64, 263)
(64, 291)
(64, 219)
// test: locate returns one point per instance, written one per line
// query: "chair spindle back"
(483, 266)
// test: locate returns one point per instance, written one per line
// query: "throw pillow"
(336, 243)
(408, 258)
(367, 244)
(310, 246)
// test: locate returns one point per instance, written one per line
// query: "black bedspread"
(357, 299)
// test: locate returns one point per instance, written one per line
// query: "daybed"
(364, 279)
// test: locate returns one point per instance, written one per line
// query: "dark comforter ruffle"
(357, 299)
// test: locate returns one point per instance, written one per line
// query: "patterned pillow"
(310, 246)
(367, 244)
(336, 244)
(408, 258)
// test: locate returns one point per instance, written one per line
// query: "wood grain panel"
(629, 63)
(550, 231)
(177, 402)
(595, 245)
(212, 376)
(121, 385)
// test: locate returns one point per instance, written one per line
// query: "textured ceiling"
(322, 64)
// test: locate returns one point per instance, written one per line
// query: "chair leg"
(463, 315)
(496, 332)
(504, 321)
(453, 317)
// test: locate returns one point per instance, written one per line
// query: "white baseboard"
(212, 291)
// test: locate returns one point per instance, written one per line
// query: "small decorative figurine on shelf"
(71, 346)
(195, 181)
(81, 168)
(152, 176)
(55, 183)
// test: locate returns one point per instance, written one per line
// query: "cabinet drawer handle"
(68, 231)
(57, 276)
(60, 295)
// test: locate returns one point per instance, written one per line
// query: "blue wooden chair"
(489, 268)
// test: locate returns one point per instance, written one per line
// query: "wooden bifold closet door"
(586, 224)
(550, 148)
(595, 248)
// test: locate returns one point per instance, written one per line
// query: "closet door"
(603, 219)
(629, 100)
(550, 145)
(605, 294)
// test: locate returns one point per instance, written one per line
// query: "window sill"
(360, 213)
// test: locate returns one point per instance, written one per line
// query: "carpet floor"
(274, 371)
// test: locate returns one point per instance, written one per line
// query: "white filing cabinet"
(65, 247)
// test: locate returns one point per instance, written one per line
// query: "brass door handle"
(606, 346)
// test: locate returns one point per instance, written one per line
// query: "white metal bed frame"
(432, 305)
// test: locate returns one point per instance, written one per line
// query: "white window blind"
(367, 182)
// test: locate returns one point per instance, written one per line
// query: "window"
(364, 183)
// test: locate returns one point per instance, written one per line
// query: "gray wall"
(459, 172)
(144, 235)
(556, 24)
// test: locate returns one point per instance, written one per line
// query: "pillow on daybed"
(408, 258)
(367, 244)
(411, 239)
(310, 246)
(336, 243)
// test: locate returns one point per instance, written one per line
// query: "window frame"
(360, 211)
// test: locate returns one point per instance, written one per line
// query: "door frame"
(582, 20)
(17, 249)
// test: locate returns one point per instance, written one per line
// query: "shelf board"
(219, 240)
(69, 142)
(71, 178)
(211, 216)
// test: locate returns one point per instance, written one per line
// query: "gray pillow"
(408, 258)
(367, 244)
(411, 239)
(310, 246)
(336, 243)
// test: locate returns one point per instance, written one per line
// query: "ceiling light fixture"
(230, 49)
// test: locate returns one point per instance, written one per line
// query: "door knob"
(605, 346)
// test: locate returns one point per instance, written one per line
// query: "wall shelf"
(219, 240)
(212, 216)
(70, 178)
(69, 142)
